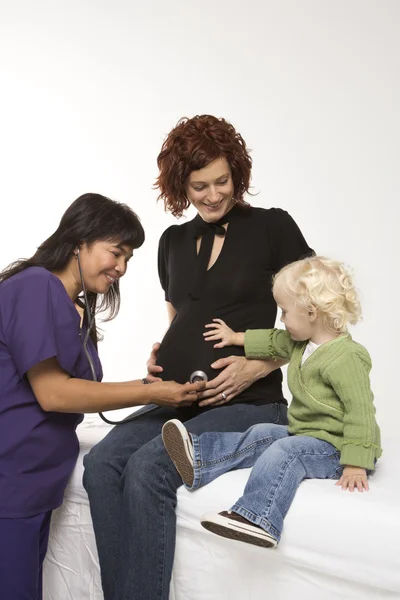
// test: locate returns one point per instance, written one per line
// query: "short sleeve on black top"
(287, 243)
(163, 255)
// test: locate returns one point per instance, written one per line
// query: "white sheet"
(335, 544)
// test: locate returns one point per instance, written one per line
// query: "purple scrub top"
(38, 449)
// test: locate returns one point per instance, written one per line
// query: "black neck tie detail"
(208, 231)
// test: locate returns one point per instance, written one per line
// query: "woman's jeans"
(132, 484)
(280, 462)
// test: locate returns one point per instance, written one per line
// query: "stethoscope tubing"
(195, 376)
(90, 319)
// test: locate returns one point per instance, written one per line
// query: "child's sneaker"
(235, 527)
(178, 444)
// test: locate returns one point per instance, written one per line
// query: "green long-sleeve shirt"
(332, 397)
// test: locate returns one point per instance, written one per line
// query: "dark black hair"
(90, 218)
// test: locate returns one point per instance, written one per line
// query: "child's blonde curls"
(323, 285)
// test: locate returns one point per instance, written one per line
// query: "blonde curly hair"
(323, 285)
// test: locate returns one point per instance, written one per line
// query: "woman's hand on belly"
(238, 374)
(152, 367)
(172, 394)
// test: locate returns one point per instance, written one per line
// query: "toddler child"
(332, 432)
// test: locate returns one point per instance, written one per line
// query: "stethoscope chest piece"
(198, 376)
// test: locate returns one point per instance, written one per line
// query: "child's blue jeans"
(280, 462)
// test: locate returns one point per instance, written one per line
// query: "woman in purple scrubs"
(45, 378)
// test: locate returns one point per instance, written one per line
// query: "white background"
(90, 89)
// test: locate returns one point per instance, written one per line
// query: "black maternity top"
(237, 289)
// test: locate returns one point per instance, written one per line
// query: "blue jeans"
(132, 484)
(280, 462)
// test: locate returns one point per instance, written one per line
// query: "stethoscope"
(195, 376)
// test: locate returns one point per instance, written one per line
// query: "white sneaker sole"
(178, 444)
(235, 530)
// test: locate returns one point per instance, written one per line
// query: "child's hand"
(354, 477)
(220, 331)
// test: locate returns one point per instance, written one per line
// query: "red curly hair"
(192, 145)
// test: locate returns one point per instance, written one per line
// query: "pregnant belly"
(183, 350)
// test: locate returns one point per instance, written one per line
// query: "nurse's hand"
(175, 395)
(238, 374)
(152, 367)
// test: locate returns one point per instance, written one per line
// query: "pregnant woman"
(220, 264)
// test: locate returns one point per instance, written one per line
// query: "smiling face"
(103, 263)
(211, 190)
(297, 321)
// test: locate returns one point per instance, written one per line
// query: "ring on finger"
(223, 395)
